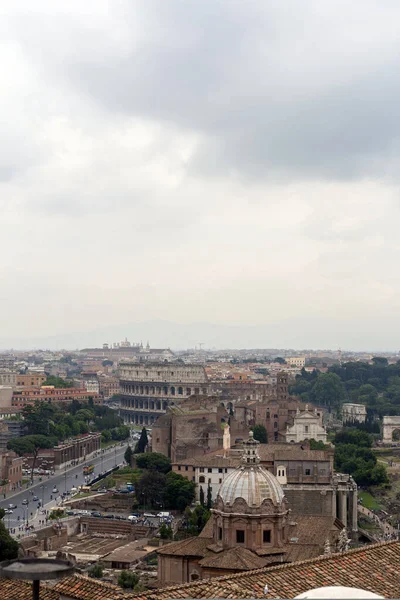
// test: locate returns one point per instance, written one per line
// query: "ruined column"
(334, 507)
(354, 524)
(343, 507)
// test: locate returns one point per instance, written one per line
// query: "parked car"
(11, 506)
(95, 514)
(133, 518)
(25, 501)
(55, 490)
(70, 513)
(35, 498)
(108, 516)
(8, 511)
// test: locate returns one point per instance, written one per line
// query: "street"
(63, 480)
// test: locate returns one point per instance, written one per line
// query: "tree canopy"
(353, 455)
(142, 443)
(375, 384)
(260, 434)
(58, 382)
(153, 461)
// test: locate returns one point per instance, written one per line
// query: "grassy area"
(369, 501)
(108, 444)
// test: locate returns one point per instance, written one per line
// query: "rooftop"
(374, 568)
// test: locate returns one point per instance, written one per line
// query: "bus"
(88, 469)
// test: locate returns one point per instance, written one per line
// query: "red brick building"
(30, 395)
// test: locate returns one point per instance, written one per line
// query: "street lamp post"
(115, 456)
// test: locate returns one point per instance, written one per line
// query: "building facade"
(296, 361)
(30, 379)
(8, 377)
(307, 477)
(306, 426)
(23, 397)
(354, 413)
(148, 389)
(251, 526)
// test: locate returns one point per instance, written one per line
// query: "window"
(275, 416)
(226, 470)
(209, 470)
(308, 471)
(220, 533)
(202, 479)
(266, 536)
(193, 478)
(306, 428)
(179, 467)
(276, 425)
(239, 536)
(201, 469)
(219, 470)
(186, 468)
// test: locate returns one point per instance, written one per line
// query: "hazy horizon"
(218, 162)
(179, 336)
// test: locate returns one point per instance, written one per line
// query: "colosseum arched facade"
(146, 390)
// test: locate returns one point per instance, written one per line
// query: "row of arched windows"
(166, 390)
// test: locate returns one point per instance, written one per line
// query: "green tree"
(166, 532)
(260, 434)
(354, 436)
(58, 382)
(196, 519)
(153, 461)
(209, 496)
(128, 456)
(128, 580)
(142, 443)
(107, 363)
(96, 571)
(201, 493)
(317, 445)
(179, 492)
(8, 546)
(329, 391)
(280, 360)
(150, 488)
(31, 444)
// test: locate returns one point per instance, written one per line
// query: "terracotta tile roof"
(12, 589)
(375, 568)
(235, 559)
(194, 546)
(207, 531)
(85, 588)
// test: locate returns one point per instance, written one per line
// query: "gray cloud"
(218, 161)
(275, 91)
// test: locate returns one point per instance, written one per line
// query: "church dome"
(250, 481)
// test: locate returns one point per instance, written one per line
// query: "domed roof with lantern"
(250, 481)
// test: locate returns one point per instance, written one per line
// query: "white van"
(163, 515)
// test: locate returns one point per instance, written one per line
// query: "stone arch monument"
(391, 427)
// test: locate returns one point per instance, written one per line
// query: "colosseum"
(146, 390)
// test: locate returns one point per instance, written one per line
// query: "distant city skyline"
(178, 336)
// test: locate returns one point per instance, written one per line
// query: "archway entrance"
(396, 435)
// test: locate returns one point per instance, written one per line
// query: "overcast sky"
(221, 161)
